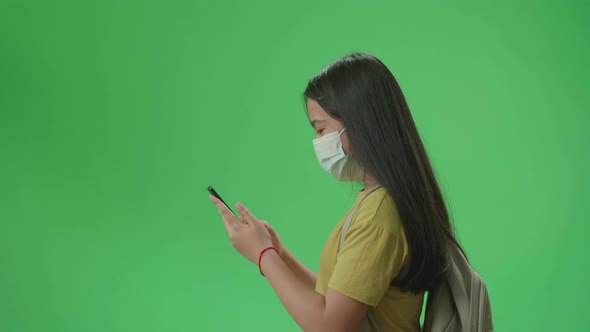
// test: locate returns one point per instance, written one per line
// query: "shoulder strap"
(369, 319)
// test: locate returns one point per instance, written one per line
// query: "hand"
(276, 240)
(247, 234)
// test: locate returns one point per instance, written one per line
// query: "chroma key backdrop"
(115, 116)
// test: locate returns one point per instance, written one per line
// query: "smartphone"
(214, 193)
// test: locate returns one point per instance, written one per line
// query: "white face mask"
(328, 149)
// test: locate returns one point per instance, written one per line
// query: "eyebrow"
(312, 123)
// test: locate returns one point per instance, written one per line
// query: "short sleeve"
(368, 261)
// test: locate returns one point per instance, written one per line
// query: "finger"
(220, 206)
(267, 225)
(227, 216)
(244, 212)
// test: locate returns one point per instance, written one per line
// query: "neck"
(370, 181)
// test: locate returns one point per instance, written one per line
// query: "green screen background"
(116, 115)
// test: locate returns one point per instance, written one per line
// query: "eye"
(320, 131)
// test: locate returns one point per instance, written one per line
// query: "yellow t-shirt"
(373, 253)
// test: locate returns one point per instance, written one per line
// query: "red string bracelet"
(260, 257)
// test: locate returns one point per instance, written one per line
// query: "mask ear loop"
(340, 134)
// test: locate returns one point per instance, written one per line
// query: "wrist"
(268, 251)
(283, 251)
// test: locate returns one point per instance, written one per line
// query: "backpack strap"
(369, 319)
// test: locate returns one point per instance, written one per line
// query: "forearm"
(303, 303)
(303, 272)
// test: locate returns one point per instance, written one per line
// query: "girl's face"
(324, 124)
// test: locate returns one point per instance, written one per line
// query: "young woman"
(395, 247)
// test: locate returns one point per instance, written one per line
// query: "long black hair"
(360, 91)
